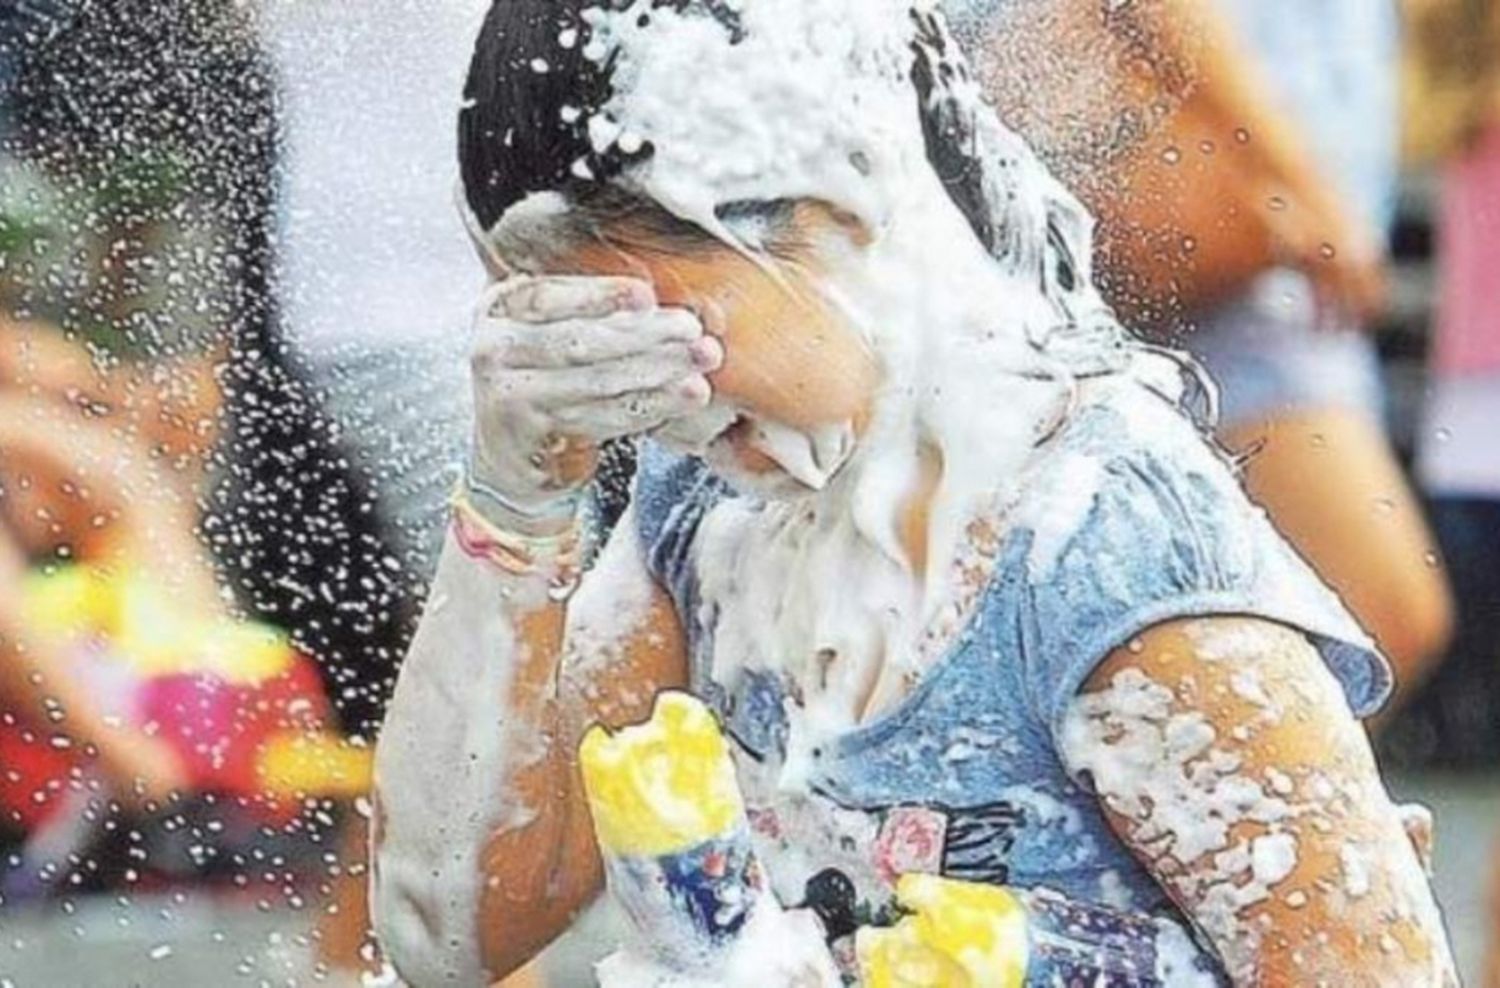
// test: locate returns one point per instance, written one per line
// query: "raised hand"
(560, 364)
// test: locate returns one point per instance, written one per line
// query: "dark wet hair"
(531, 91)
(527, 102)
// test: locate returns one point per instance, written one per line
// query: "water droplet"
(1327, 252)
(561, 587)
(1276, 204)
(1171, 155)
(1242, 135)
(160, 952)
(1443, 435)
(1206, 147)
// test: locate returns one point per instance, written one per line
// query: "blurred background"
(233, 293)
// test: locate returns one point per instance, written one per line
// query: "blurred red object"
(220, 730)
(244, 712)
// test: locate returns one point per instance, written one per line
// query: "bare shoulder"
(1227, 759)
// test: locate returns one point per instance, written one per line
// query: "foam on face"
(799, 100)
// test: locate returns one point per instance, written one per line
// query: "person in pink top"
(1461, 458)
(1459, 465)
(1458, 459)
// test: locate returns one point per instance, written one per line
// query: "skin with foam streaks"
(858, 355)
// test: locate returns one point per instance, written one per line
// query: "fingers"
(655, 368)
(582, 357)
(577, 342)
(636, 412)
(555, 298)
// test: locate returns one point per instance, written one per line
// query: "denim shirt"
(965, 776)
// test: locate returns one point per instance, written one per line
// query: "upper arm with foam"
(1226, 757)
(1135, 520)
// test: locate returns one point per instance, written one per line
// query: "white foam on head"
(801, 100)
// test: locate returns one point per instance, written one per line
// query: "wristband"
(517, 554)
(482, 496)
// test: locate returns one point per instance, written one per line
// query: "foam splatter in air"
(804, 100)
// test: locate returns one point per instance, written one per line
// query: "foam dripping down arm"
(1226, 757)
(482, 847)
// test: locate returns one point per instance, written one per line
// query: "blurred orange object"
(242, 709)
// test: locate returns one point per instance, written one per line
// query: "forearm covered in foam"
(463, 756)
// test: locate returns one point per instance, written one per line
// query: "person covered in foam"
(943, 545)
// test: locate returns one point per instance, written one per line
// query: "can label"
(690, 904)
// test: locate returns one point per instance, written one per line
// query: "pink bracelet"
(519, 555)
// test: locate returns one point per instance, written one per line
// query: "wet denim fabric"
(1165, 533)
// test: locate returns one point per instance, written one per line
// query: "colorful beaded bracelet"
(517, 554)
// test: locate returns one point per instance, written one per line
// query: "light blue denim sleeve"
(1130, 520)
(672, 494)
(1164, 531)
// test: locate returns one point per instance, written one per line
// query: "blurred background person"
(1460, 465)
(165, 463)
(1243, 168)
(128, 97)
(1457, 46)
(1455, 721)
(99, 453)
(298, 533)
(1453, 92)
(79, 483)
(1301, 383)
(1292, 349)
